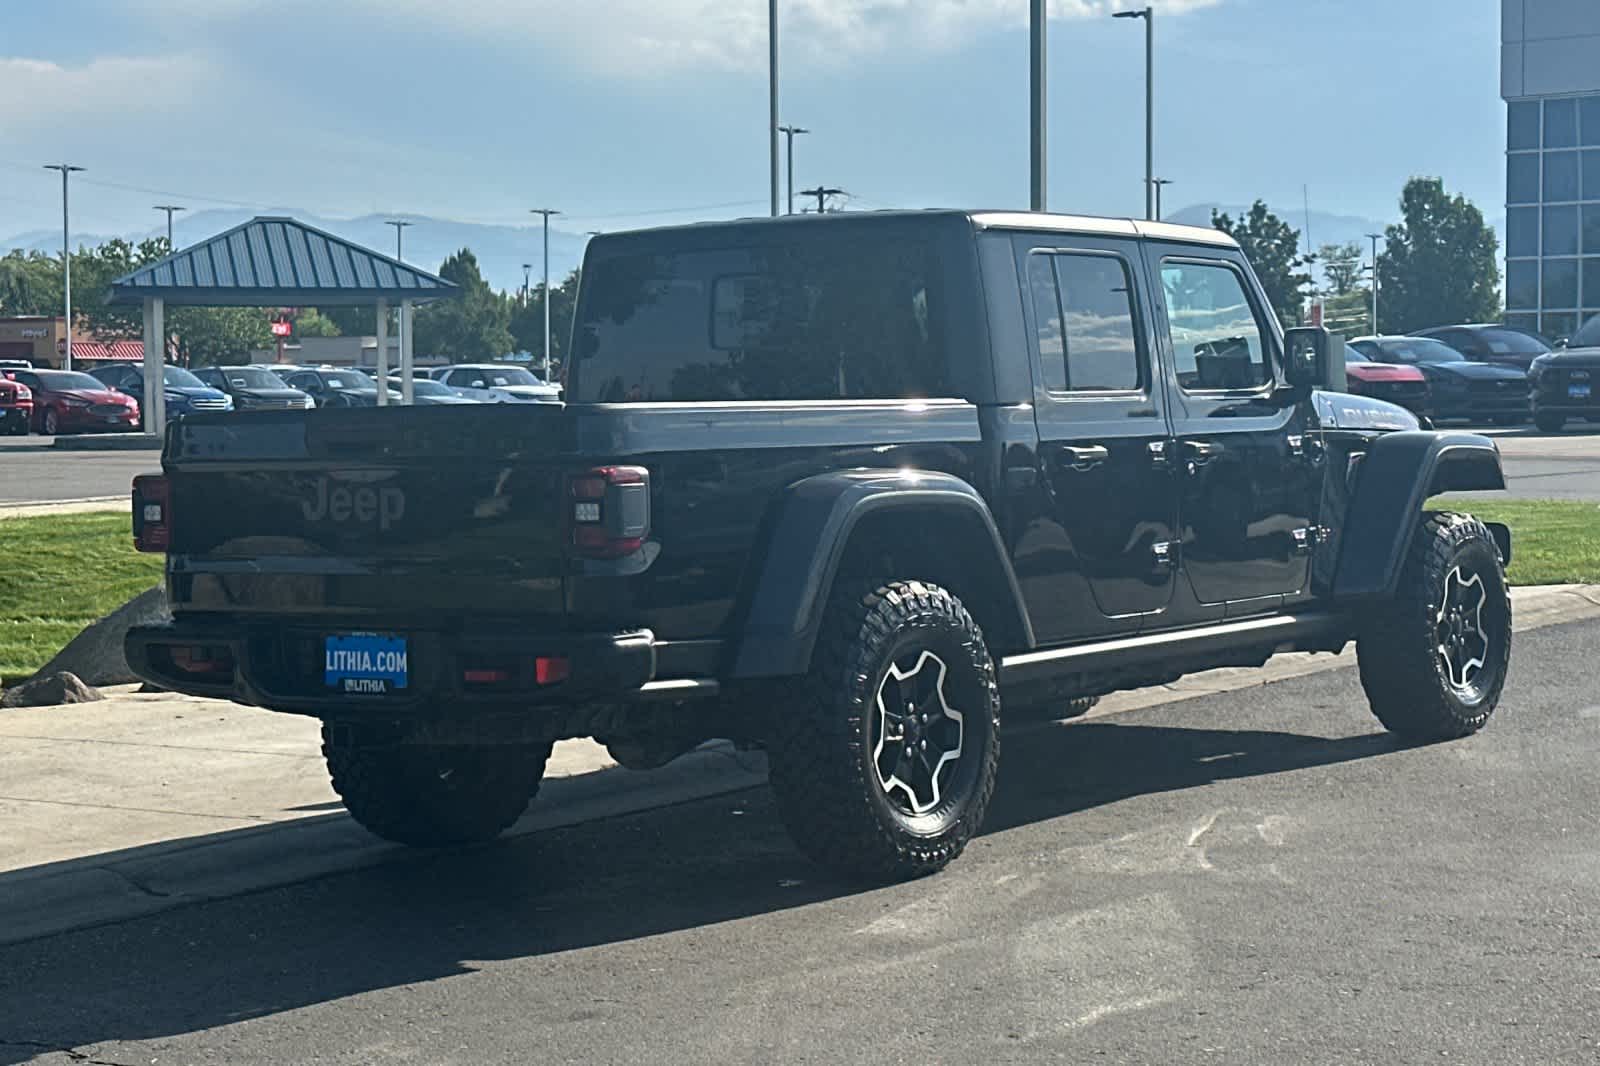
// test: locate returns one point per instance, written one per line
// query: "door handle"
(1086, 457)
(1159, 458)
(1200, 452)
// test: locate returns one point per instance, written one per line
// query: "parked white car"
(497, 383)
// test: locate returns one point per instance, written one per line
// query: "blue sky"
(621, 111)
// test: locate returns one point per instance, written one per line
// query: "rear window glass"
(829, 316)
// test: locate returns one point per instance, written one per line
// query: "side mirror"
(1562, 342)
(1314, 358)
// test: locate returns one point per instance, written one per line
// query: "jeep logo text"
(365, 505)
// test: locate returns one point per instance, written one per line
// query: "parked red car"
(65, 401)
(1404, 385)
(16, 407)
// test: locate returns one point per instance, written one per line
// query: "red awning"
(106, 351)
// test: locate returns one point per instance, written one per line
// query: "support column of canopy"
(155, 354)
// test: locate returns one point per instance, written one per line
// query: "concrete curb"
(80, 893)
(86, 505)
(115, 886)
(127, 442)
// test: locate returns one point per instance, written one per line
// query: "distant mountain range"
(501, 250)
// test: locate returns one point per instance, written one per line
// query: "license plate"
(1578, 392)
(365, 664)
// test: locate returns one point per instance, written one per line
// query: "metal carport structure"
(273, 261)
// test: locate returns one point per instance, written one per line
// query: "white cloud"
(48, 94)
(647, 37)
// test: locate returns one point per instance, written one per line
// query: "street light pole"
(1375, 237)
(789, 133)
(772, 94)
(169, 209)
(66, 254)
(1149, 16)
(527, 270)
(546, 213)
(1158, 183)
(1036, 108)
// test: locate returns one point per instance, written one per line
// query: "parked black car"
(1564, 382)
(1457, 387)
(338, 388)
(1491, 342)
(844, 487)
(253, 388)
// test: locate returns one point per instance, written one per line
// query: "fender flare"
(1398, 474)
(803, 543)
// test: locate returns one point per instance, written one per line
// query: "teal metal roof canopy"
(279, 262)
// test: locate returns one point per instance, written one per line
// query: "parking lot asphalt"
(1255, 877)
(1538, 466)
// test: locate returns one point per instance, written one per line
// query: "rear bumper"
(280, 666)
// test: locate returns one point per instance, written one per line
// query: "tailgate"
(408, 512)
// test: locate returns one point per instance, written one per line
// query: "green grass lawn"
(58, 573)
(1552, 541)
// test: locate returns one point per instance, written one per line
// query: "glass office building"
(1550, 80)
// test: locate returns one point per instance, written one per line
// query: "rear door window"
(1084, 314)
(820, 316)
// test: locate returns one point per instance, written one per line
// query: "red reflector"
(485, 677)
(547, 670)
(588, 488)
(597, 543)
(202, 658)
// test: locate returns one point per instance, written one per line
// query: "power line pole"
(1375, 237)
(399, 225)
(66, 253)
(822, 192)
(1149, 17)
(546, 212)
(170, 209)
(1036, 96)
(1158, 183)
(789, 132)
(772, 92)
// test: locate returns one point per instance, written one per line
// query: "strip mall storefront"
(43, 341)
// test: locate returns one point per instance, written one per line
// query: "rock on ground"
(50, 690)
(95, 655)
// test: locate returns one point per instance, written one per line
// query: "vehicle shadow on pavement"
(429, 916)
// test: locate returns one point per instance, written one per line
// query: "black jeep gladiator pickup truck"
(842, 487)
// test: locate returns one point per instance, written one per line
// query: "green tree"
(1273, 248)
(219, 336)
(472, 327)
(310, 322)
(1341, 265)
(527, 320)
(1440, 264)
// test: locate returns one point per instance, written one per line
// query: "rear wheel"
(884, 761)
(1433, 660)
(1548, 422)
(431, 796)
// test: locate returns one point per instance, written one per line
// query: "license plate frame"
(366, 664)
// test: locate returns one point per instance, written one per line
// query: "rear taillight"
(152, 513)
(609, 511)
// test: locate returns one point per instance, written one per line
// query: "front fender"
(804, 541)
(1398, 474)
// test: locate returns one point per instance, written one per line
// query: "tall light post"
(1158, 183)
(66, 253)
(789, 133)
(400, 330)
(1375, 237)
(1036, 102)
(170, 209)
(399, 225)
(772, 97)
(527, 273)
(546, 213)
(1149, 17)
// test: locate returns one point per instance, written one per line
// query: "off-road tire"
(1549, 423)
(828, 784)
(432, 797)
(1405, 676)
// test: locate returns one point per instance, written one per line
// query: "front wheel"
(431, 796)
(1548, 422)
(52, 422)
(1433, 660)
(884, 761)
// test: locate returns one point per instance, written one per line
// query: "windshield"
(179, 377)
(1588, 335)
(353, 380)
(59, 380)
(1418, 350)
(249, 377)
(1512, 342)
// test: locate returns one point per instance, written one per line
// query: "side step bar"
(1280, 631)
